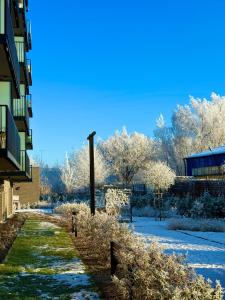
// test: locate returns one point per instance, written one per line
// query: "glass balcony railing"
(29, 105)
(25, 162)
(6, 29)
(30, 140)
(29, 35)
(20, 51)
(20, 109)
(9, 136)
(29, 71)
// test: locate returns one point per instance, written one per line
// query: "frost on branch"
(115, 200)
(195, 128)
(159, 176)
(76, 169)
(126, 154)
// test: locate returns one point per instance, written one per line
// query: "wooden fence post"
(114, 260)
(74, 223)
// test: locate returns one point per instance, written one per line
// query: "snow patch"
(85, 295)
(48, 225)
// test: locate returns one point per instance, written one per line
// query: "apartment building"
(15, 100)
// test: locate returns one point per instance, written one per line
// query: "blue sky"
(100, 65)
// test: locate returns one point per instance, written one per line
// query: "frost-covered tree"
(76, 170)
(158, 175)
(195, 127)
(68, 174)
(126, 154)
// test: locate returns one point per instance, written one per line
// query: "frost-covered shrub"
(115, 200)
(67, 208)
(148, 273)
(146, 211)
(142, 200)
(197, 225)
(197, 210)
(208, 206)
(184, 205)
(144, 272)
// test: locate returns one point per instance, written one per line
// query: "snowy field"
(204, 251)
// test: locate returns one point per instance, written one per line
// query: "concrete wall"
(28, 192)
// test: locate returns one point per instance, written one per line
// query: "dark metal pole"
(92, 171)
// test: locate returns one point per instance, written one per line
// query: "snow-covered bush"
(144, 272)
(115, 200)
(197, 225)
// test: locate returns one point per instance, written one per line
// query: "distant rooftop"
(214, 151)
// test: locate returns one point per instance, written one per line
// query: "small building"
(207, 164)
(27, 193)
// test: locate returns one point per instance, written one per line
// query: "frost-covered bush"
(148, 273)
(183, 205)
(144, 272)
(197, 225)
(139, 201)
(205, 206)
(208, 206)
(146, 211)
(67, 208)
(115, 200)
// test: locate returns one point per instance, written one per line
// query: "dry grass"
(8, 233)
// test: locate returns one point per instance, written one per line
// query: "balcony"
(29, 71)
(29, 141)
(25, 64)
(21, 114)
(10, 69)
(22, 28)
(15, 12)
(29, 105)
(28, 35)
(23, 5)
(9, 142)
(24, 174)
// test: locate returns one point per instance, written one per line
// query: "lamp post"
(92, 171)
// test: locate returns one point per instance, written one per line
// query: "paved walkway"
(43, 264)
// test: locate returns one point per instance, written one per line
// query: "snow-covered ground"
(38, 210)
(204, 251)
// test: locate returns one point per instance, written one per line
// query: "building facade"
(15, 100)
(207, 164)
(27, 194)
